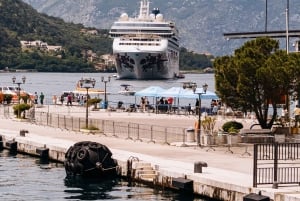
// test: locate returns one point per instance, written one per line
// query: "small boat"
(179, 76)
(82, 90)
(126, 90)
(189, 85)
(15, 91)
(115, 76)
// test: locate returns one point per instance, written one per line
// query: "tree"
(256, 78)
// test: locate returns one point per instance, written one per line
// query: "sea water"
(24, 178)
(55, 83)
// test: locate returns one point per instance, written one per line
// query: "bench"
(257, 136)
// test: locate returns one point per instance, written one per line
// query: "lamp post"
(19, 90)
(87, 83)
(105, 94)
(204, 88)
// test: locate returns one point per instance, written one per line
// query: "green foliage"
(18, 21)
(208, 124)
(7, 98)
(94, 101)
(191, 61)
(20, 109)
(25, 98)
(91, 127)
(256, 77)
(232, 126)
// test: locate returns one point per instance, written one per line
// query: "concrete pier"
(228, 176)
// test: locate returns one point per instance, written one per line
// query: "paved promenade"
(231, 169)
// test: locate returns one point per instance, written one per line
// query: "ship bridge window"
(140, 25)
(140, 44)
(140, 31)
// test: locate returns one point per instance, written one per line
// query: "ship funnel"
(155, 11)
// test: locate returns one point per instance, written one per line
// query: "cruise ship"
(146, 46)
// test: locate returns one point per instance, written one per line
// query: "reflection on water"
(118, 189)
(25, 178)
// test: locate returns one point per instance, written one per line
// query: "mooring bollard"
(1, 143)
(23, 132)
(255, 197)
(12, 145)
(183, 184)
(43, 152)
(198, 166)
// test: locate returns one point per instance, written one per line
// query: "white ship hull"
(145, 65)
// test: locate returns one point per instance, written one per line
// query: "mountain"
(201, 23)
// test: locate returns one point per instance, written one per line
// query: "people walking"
(42, 96)
(297, 115)
(62, 98)
(69, 99)
(36, 97)
(54, 99)
(197, 106)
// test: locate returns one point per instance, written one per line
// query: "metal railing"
(124, 130)
(276, 163)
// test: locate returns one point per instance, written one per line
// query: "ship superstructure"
(145, 47)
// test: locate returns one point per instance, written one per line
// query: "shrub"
(94, 101)
(22, 107)
(25, 98)
(231, 126)
(208, 124)
(8, 98)
(91, 127)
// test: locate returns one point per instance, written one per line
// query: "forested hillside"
(18, 22)
(79, 47)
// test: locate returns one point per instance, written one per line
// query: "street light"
(105, 95)
(19, 90)
(204, 89)
(87, 83)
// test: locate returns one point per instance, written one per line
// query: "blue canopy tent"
(179, 92)
(175, 92)
(151, 91)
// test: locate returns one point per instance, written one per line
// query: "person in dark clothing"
(69, 99)
(42, 98)
(197, 106)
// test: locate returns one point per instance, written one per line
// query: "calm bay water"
(24, 178)
(55, 83)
